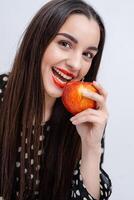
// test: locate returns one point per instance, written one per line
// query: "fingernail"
(74, 122)
(96, 82)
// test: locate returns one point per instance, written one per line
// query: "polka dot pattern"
(31, 160)
(78, 190)
(3, 83)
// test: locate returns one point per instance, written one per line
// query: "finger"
(101, 90)
(102, 115)
(94, 96)
(92, 118)
(86, 112)
(84, 119)
(86, 115)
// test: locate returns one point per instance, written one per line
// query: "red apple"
(73, 98)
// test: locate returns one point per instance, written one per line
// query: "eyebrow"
(76, 41)
(68, 36)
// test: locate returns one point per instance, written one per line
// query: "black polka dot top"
(78, 189)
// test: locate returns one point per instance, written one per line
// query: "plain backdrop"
(116, 76)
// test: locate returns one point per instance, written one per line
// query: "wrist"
(91, 148)
(90, 168)
(91, 155)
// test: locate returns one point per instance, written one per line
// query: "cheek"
(52, 55)
(86, 69)
(83, 72)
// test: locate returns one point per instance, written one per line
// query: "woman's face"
(69, 56)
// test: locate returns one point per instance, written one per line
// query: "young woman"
(45, 152)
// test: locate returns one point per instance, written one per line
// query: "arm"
(79, 190)
(90, 125)
(90, 169)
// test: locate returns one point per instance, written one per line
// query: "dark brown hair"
(23, 104)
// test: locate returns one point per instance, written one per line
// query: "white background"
(116, 75)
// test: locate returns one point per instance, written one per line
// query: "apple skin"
(73, 99)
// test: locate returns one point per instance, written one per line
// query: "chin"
(54, 93)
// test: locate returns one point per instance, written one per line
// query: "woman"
(45, 152)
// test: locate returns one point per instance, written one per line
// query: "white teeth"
(62, 74)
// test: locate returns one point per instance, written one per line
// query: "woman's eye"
(88, 55)
(65, 44)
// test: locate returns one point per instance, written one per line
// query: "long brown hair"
(23, 104)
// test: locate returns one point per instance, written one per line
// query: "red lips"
(66, 72)
(60, 83)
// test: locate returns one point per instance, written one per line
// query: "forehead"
(85, 30)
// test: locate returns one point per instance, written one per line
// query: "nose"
(74, 61)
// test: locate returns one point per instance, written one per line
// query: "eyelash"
(63, 43)
(91, 55)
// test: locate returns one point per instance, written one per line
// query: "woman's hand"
(90, 123)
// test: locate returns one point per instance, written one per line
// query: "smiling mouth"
(61, 77)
